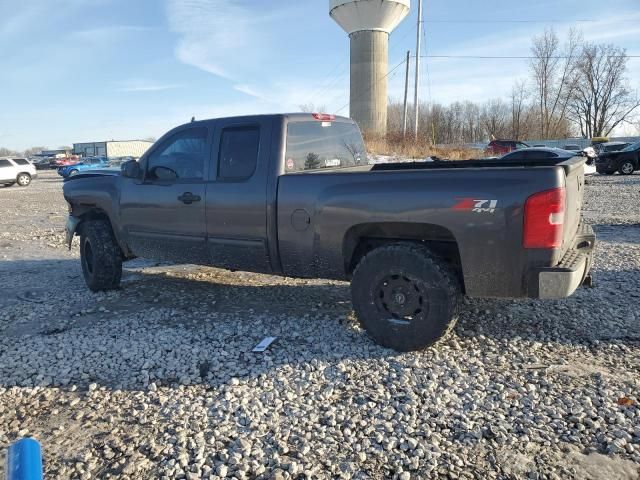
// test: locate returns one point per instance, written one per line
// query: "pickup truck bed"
(293, 195)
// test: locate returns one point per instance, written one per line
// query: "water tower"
(369, 23)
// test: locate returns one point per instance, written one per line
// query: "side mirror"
(131, 169)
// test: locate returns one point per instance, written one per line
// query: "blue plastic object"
(24, 461)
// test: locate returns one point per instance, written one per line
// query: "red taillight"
(323, 117)
(544, 219)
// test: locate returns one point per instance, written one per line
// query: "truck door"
(163, 214)
(237, 195)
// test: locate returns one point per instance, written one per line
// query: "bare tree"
(553, 70)
(5, 152)
(29, 152)
(495, 118)
(312, 108)
(602, 99)
(518, 107)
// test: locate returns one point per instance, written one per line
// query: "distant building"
(112, 149)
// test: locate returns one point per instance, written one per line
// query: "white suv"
(16, 170)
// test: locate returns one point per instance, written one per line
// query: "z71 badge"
(477, 206)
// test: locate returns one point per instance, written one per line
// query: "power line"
(515, 57)
(524, 21)
(371, 86)
(330, 81)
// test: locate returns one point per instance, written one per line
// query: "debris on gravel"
(158, 379)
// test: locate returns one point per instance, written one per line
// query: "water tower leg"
(369, 67)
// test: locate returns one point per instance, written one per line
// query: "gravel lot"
(157, 380)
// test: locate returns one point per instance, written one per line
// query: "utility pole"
(406, 97)
(417, 83)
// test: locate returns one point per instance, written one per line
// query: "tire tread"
(450, 278)
(107, 256)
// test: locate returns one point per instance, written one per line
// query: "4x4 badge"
(475, 205)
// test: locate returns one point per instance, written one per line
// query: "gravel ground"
(157, 380)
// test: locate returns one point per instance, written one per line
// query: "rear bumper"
(563, 279)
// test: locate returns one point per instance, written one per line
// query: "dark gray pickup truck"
(295, 195)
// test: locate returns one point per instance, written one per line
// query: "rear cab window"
(239, 148)
(316, 145)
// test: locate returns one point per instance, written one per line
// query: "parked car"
(537, 153)
(18, 171)
(549, 152)
(625, 161)
(88, 163)
(41, 163)
(572, 148)
(611, 147)
(266, 194)
(500, 147)
(58, 162)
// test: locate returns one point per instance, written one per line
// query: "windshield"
(633, 147)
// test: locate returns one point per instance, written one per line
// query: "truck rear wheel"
(100, 256)
(405, 297)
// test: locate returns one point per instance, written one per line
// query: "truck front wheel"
(405, 297)
(100, 256)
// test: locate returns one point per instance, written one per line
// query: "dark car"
(625, 161)
(500, 147)
(41, 163)
(572, 148)
(294, 195)
(537, 153)
(611, 147)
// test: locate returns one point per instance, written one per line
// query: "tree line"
(575, 88)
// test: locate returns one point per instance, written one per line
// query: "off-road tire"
(23, 179)
(629, 168)
(430, 289)
(100, 256)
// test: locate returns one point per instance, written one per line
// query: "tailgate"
(574, 185)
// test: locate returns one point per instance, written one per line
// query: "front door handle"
(188, 198)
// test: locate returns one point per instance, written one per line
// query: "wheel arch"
(363, 238)
(85, 213)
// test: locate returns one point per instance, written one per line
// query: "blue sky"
(88, 70)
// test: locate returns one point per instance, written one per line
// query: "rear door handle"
(188, 198)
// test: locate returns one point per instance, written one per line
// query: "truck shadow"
(174, 325)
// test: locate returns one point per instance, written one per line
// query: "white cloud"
(248, 90)
(222, 37)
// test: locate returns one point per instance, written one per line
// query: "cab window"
(238, 155)
(181, 157)
(315, 145)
